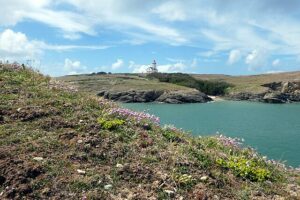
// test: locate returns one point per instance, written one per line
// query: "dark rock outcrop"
(278, 92)
(174, 97)
(275, 97)
(179, 97)
(245, 96)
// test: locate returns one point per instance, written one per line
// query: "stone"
(38, 158)
(119, 165)
(80, 171)
(275, 97)
(216, 197)
(173, 97)
(80, 141)
(204, 178)
(177, 97)
(170, 193)
(108, 187)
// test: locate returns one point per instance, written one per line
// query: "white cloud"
(73, 67)
(140, 69)
(167, 68)
(71, 47)
(234, 56)
(194, 63)
(276, 63)
(118, 64)
(127, 17)
(227, 25)
(15, 11)
(256, 59)
(170, 11)
(72, 36)
(215, 26)
(131, 64)
(15, 45)
(274, 71)
(172, 68)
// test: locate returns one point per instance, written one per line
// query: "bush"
(246, 168)
(208, 87)
(110, 124)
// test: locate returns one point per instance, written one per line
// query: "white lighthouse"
(152, 68)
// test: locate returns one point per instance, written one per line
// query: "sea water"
(272, 129)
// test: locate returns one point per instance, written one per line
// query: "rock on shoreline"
(278, 92)
(172, 97)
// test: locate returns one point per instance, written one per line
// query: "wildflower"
(231, 142)
(139, 117)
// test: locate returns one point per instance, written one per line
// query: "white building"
(152, 68)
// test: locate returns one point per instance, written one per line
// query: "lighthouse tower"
(152, 68)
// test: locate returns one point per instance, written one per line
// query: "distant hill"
(252, 88)
(252, 83)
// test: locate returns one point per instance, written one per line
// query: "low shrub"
(110, 124)
(184, 180)
(250, 169)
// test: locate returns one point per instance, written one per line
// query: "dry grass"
(118, 82)
(251, 83)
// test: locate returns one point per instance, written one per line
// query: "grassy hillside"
(125, 82)
(250, 83)
(57, 143)
(209, 87)
(118, 82)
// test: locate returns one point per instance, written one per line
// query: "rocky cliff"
(174, 97)
(277, 92)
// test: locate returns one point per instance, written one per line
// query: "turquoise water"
(272, 129)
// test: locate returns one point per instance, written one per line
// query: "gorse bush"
(208, 87)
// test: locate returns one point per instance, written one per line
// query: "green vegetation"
(58, 143)
(246, 168)
(110, 124)
(205, 86)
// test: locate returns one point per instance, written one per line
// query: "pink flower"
(137, 116)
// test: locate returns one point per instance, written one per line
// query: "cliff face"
(174, 97)
(278, 92)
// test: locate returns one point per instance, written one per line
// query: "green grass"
(49, 120)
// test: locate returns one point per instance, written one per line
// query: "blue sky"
(221, 37)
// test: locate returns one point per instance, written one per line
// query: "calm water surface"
(273, 129)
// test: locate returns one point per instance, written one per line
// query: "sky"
(235, 37)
